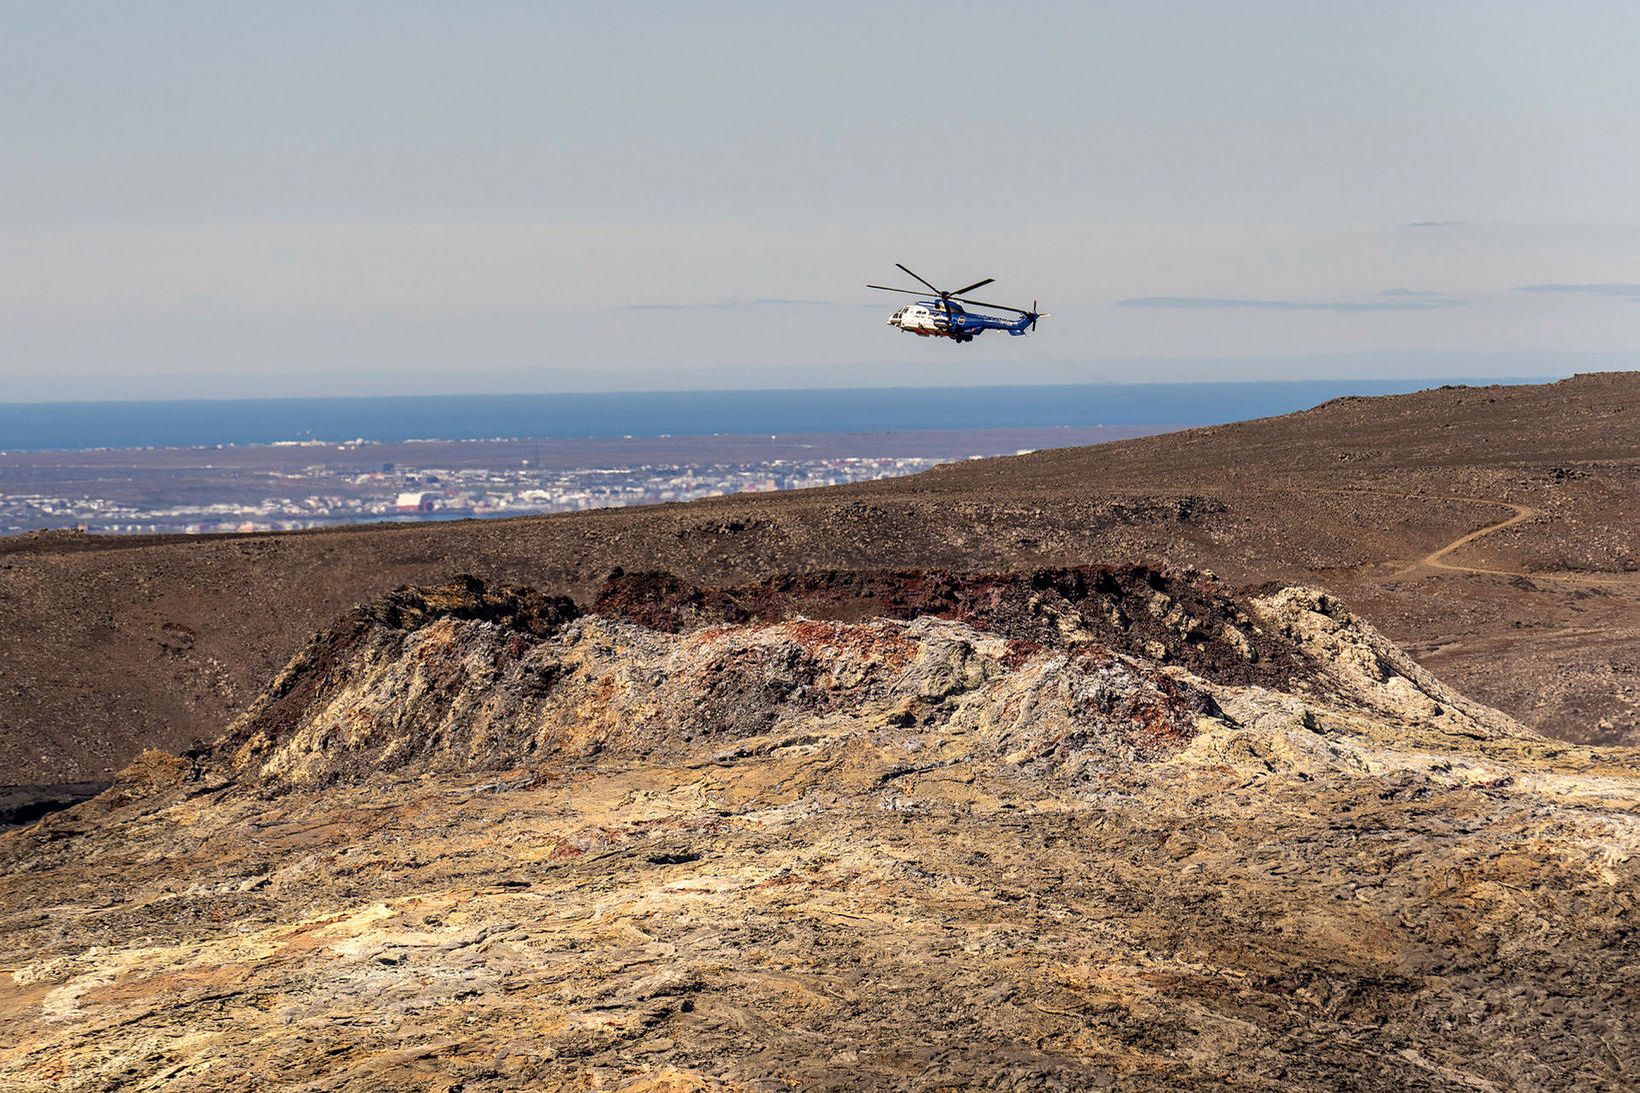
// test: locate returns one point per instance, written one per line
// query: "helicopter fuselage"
(936, 319)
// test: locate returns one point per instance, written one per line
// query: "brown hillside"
(1491, 530)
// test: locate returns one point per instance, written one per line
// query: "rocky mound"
(464, 676)
(1060, 829)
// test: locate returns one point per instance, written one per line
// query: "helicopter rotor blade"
(914, 276)
(972, 287)
(907, 291)
(998, 307)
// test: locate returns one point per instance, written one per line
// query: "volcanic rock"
(918, 830)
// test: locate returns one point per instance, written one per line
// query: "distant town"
(318, 495)
(308, 484)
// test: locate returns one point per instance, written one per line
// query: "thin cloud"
(724, 305)
(1610, 290)
(1395, 299)
(1436, 224)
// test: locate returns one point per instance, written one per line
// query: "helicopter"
(943, 317)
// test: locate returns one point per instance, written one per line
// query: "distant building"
(415, 502)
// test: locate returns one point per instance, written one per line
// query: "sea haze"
(192, 423)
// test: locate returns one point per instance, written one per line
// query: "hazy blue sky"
(399, 196)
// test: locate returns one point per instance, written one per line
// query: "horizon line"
(1434, 380)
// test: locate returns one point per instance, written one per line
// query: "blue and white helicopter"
(944, 318)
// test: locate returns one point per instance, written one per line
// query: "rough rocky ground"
(1066, 829)
(111, 645)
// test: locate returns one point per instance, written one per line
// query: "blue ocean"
(209, 422)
